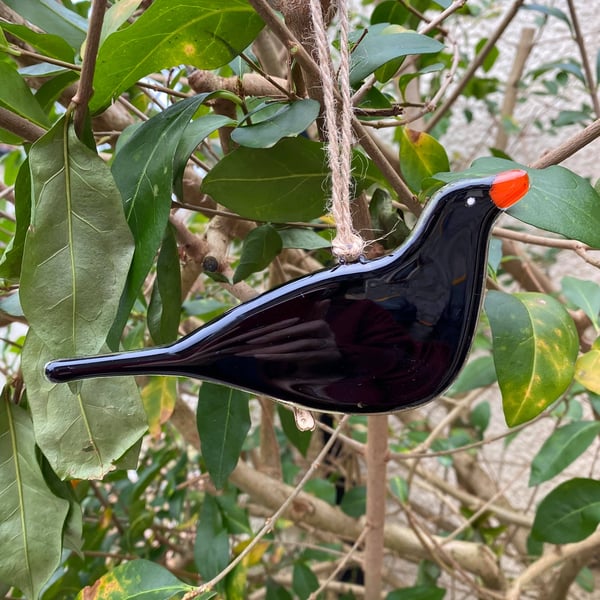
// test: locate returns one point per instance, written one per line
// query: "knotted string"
(347, 245)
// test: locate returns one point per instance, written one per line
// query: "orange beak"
(509, 187)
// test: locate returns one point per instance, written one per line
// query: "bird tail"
(150, 361)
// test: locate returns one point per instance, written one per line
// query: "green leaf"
(276, 591)
(421, 155)
(307, 239)
(199, 129)
(304, 581)
(569, 513)
(261, 246)
(48, 44)
(16, 96)
(399, 488)
(211, 549)
(140, 580)
(562, 447)
(78, 248)
(84, 432)
(390, 11)
(535, 346)
(117, 15)
(290, 120)
(418, 592)
(490, 59)
(299, 439)
(31, 516)
(283, 183)
(479, 372)
(203, 33)
(159, 396)
(558, 200)
(54, 18)
(383, 43)
(549, 11)
(387, 225)
(143, 171)
(223, 419)
(165, 301)
(587, 368)
(10, 265)
(583, 294)
(354, 502)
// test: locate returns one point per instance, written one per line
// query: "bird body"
(367, 337)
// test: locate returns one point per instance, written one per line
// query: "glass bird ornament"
(368, 337)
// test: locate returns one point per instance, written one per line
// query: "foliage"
(197, 171)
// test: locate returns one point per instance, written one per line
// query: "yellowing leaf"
(535, 347)
(255, 555)
(587, 368)
(421, 155)
(159, 397)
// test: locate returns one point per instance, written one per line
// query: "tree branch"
(19, 126)
(477, 62)
(85, 88)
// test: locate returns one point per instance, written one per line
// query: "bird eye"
(470, 201)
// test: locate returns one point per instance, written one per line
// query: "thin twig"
(85, 87)
(587, 69)
(21, 127)
(266, 528)
(569, 147)
(340, 566)
(477, 62)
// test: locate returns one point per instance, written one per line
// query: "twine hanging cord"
(347, 245)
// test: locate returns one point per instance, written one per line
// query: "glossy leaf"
(78, 248)
(159, 396)
(116, 16)
(31, 516)
(585, 295)
(558, 200)
(199, 129)
(290, 120)
(283, 183)
(84, 429)
(211, 549)
(16, 96)
(304, 581)
(587, 368)
(421, 155)
(381, 44)
(143, 171)
(299, 439)
(261, 246)
(10, 265)
(569, 513)
(479, 372)
(223, 421)
(535, 346)
(165, 301)
(562, 447)
(52, 17)
(48, 44)
(307, 239)
(140, 580)
(204, 33)
(354, 502)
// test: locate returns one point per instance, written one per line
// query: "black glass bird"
(368, 337)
